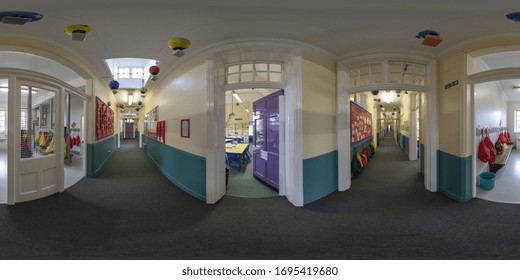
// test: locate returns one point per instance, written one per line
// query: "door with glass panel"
(38, 153)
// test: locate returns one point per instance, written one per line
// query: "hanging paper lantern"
(178, 44)
(140, 103)
(137, 108)
(375, 92)
(154, 70)
(108, 104)
(122, 106)
(78, 32)
(114, 86)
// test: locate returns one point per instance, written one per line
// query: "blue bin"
(487, 180)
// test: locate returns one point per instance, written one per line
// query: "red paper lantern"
(154, 70)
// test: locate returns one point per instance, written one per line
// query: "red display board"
(161, 131)
(360, 123)
(104, 120)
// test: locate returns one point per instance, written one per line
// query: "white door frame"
(14, 77)
(343, 119)
(291, 175)
(470, 126)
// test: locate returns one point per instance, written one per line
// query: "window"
(251, 72)
(130, 73)
(517, 121)
(366, 74)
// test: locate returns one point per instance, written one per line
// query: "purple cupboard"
(266, 139)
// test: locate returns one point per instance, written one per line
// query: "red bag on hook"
(483, 150)
(491, 147)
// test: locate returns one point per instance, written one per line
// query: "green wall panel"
(454, 176)
(187, 171)
(404, 142)
(320, 176)
(98, 154)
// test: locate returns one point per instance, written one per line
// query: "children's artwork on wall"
(185, 128)
(360, 123)
(104, 120)
(161, 131)
(150, 123)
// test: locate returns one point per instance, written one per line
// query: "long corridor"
(130, 211)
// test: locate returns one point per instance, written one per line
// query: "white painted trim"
(412, 147)
(343, 119)
(293, 130)
(12, 167)
(215, 132)
(282, 186)
(478, 78)
(431, 141)
(292, 165)
(430, 90)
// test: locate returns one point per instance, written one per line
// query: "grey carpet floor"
(130, 211)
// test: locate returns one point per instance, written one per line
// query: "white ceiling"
(341, 28)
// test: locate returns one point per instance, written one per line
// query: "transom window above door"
(251, 72)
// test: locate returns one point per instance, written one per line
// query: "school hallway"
(131, 211)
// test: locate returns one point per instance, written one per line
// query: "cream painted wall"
(182, 95)
(404, 118)
(510, 121)
(449, 102)
(241, 126)
(319, 108)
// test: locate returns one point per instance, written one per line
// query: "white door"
(41, 133)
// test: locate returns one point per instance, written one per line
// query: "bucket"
(487, 180)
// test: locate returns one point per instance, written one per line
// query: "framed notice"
(104, 120)
(360, 123)
(185, 128)
(150, 123)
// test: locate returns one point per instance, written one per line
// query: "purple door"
(129, 130)
(266, 139)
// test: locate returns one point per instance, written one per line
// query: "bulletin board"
(104, 120)
(150, 123)
(360, 123)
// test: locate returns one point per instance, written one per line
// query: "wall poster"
(360, 123)
(161, 131)
(150, 123)
(104, 120)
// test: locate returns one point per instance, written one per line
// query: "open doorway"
(74, 131)
(495, 108)
(252, 142)
(3, 139)
(386, 123)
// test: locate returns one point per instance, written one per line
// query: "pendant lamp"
(232, 115)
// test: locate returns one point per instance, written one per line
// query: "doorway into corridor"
(74, 153)
(385, 128)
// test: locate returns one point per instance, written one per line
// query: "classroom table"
(236, 153)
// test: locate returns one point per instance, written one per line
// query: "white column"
(343, 121)
(412, 147)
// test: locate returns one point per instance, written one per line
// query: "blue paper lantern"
(375, 92)
(114, 86)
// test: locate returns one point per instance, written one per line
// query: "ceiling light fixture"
(130, 99)
(516, 87)
(237, 97)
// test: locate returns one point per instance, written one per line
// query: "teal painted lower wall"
(98, 154)
(187, 171)
(404, 143)
(320, 176)
(454, 176)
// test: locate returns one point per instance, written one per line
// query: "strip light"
(237, 97)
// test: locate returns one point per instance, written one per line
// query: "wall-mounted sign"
(185, 128)
(452, 84)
